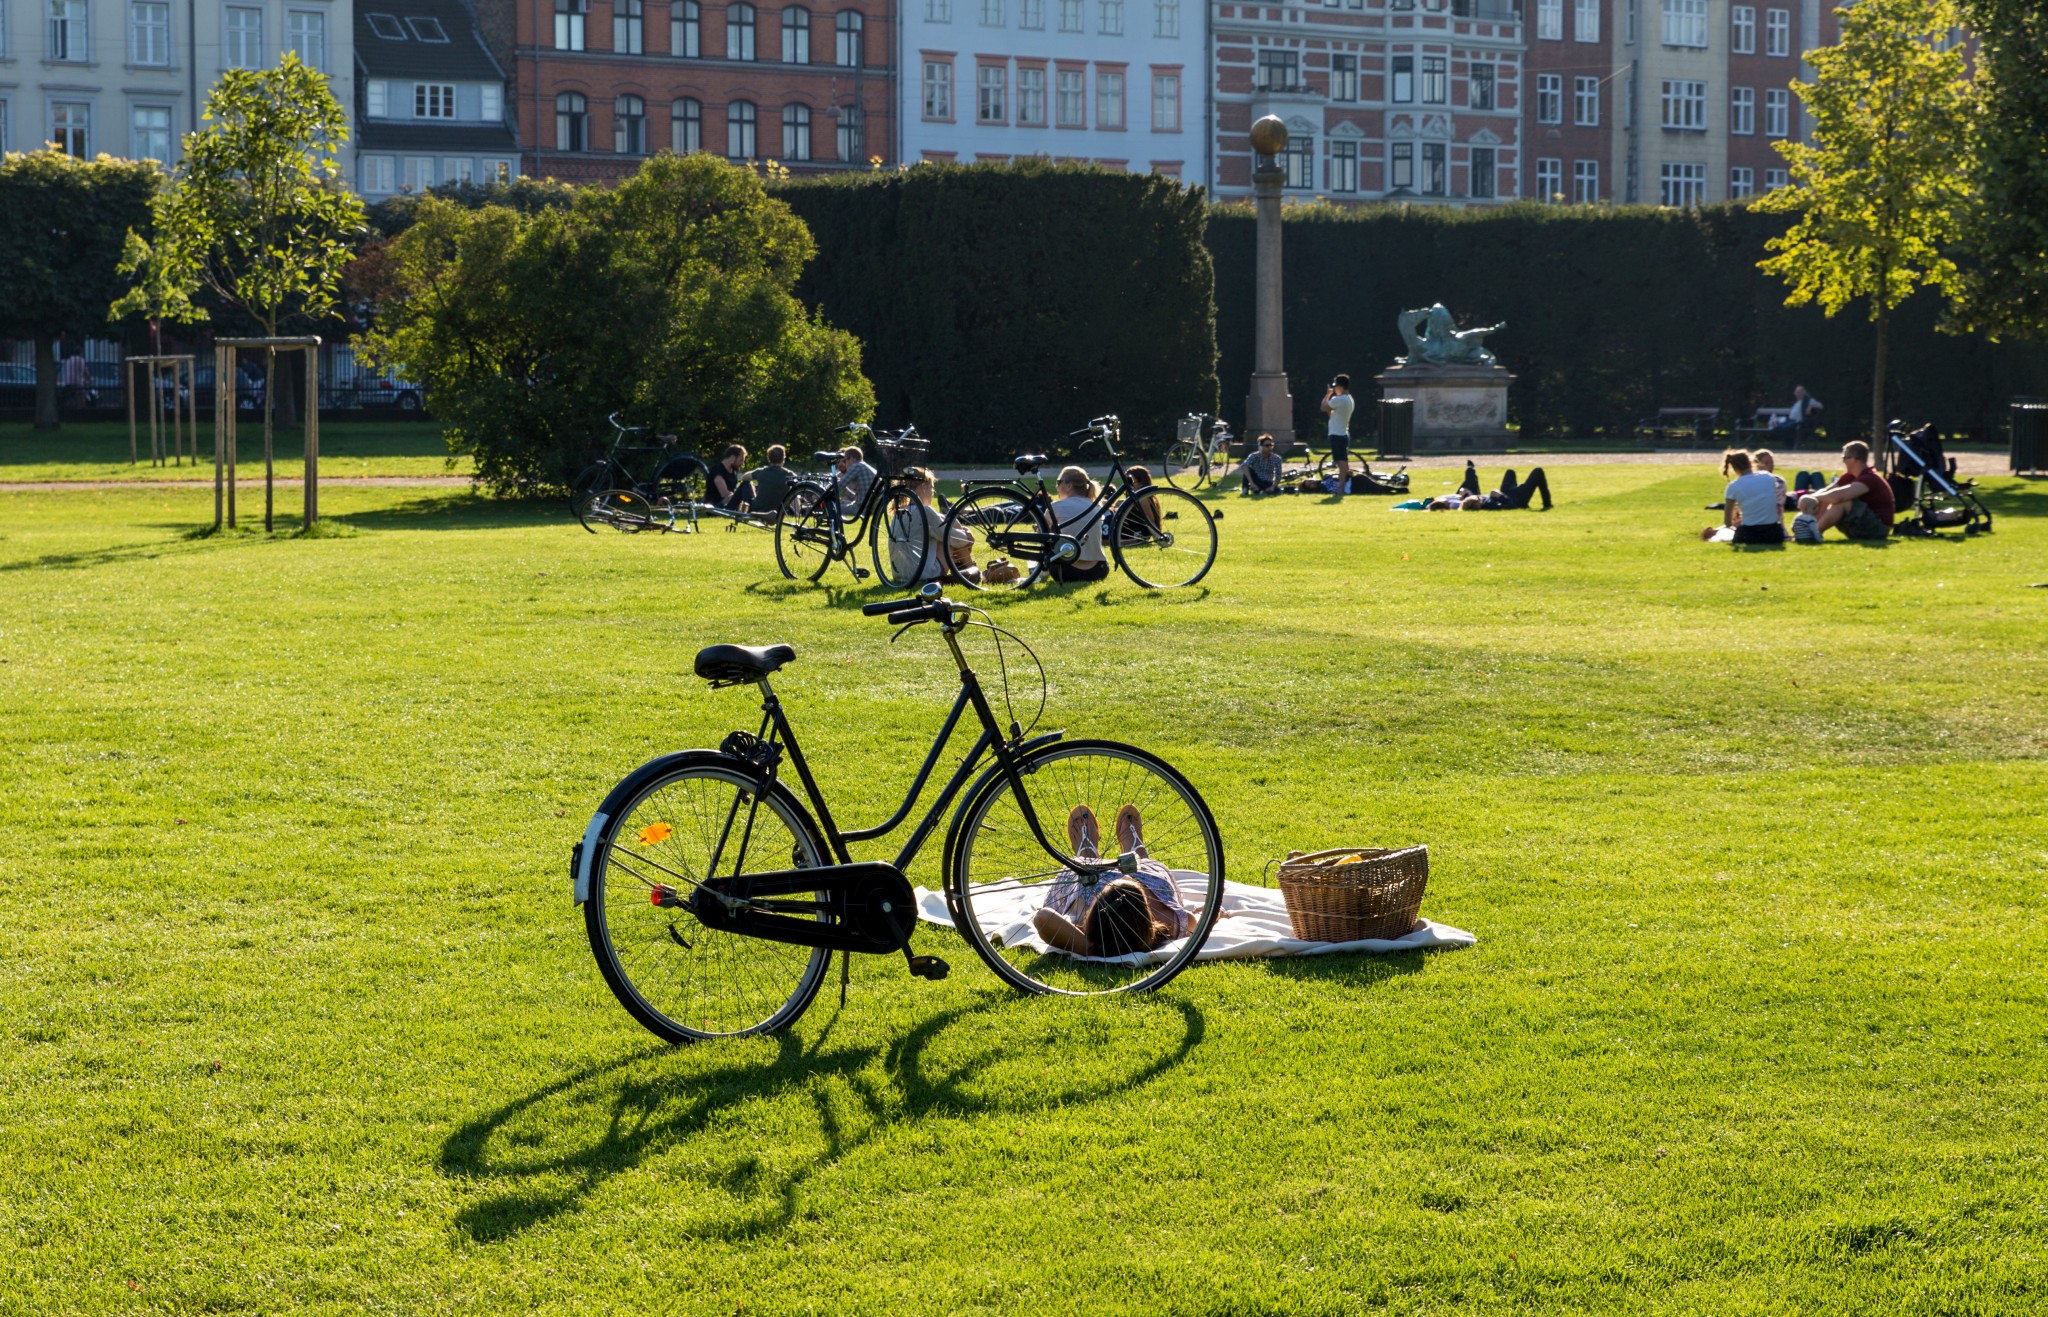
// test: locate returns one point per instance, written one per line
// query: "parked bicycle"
(1161, 537)
(1200, 452)
(825, 521)
(608, 493)
(714, 898)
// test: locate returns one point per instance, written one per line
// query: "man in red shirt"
(1859, 503)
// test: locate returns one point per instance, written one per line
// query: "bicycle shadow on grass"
(546, 1153)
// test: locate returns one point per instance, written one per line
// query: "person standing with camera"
(1337, 405)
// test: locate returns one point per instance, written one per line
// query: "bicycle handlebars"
(928, 605)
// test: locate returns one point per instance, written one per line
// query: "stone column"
(1268, 409)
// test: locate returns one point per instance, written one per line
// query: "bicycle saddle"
(739, 665)
(1026, 463)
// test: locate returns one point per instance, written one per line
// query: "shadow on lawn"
(727, 1129)
(465, 511)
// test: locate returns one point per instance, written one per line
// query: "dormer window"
(433, 100)
(428, 30)
(386, 26)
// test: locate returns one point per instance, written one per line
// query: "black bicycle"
(823, 522)
(714, 898)
(1161, 537)
(608, 493)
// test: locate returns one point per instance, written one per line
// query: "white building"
(432, 104)
(1120, 83)
(130, 77)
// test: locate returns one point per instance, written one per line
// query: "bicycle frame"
(1116, 484)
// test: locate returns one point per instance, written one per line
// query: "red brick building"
(1572, 101)
(600, 84)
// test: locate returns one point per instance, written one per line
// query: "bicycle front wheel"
(1001, 877)
(1163, 538)
(998, 526)
(681, 978)
(803, 534)
(899, 539)
(1185, 467)
(620, 509)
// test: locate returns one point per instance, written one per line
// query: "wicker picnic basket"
(1354, 892)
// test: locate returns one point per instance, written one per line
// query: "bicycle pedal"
(861, 573)
(929, 967)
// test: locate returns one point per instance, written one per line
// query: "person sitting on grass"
(1114, 914)
(1766, 461)
(771, 482)
(943, 556)
(855, 476)
(1859, 503)
(1144, 518)
(1075, 504)
(1753, 504)
(728, 489)
(1512, 495)
(1261, 471)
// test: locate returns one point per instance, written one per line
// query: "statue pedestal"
(1456, 407)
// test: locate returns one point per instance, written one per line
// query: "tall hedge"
(1002, 306)
(1611, 313)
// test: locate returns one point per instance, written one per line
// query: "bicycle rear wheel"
(994, 523)
(674, 974)
(899, 539)
(803, 534)
(1163, 538)
(620, 509)
(1000, 877)
(682, 480)
(1185, 466)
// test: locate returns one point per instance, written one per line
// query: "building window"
(1298, 158)
(1550, 98)
(419, 173)
(386, 26)
(1777, 32)
(1401, 166)
(685, 29)
(1166, 18)
(458, 169)
(1685, 105)
(1343, 77)
(377, 98)
(1111, 18)
(491, 103)
(1550, 20)
(685, 126)
(68, 40)
(497, 171)
(1586, 102)
(242, 37)
(796, 132)
(1436, 80)
(938, 11)
(305, 35)
(1685, 23)
(569, 15)
(1279, 70)
(1166, 102)
(149, 35)
(1071, 100)
(739, 41)
(433, 100)
(1741, 183)
(1070, 15)
(992, 86)
(1435, 170)
(851, 48)
(1586, 21)
(938, 89)
(1343, 166)
(71, 128)
(1031, 15)
(1683, 185)
(1585, 181)
(380, 174)
(572, 121)
(629, 125)
(1402, 77)
(1480, 92)
(796, 35)
(1031, 96)
(1109, 99)
(1775, 179)
(1777, 112)
(1742, 29)
(629, 27)
(991, 13)
(428, 29)
(1549, 179)
(852, 133)
(1483, 179)
(149, 132)
(1742, 111)
(740, 123)
(1628, 22)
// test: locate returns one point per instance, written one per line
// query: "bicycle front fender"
(982, 786)
(583, 855)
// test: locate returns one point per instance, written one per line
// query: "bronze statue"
(1434, 339)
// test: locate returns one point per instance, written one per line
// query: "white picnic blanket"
(1256, 924)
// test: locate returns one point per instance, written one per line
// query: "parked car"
(17, 384)
(387, 390)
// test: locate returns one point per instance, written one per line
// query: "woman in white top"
(1074, 506)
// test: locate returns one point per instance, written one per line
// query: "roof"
(434, 139)
(461, 58)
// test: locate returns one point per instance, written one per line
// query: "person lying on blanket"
(1128, 913)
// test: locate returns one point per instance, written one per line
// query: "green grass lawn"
(296, 1014)
(98, 450)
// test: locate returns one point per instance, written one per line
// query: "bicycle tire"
(682, 479)
(590, 480)
(1174, 546)
(998, 874)
(989, 517)
(803, 533)
(624, 510)
(1186, 463)
(897, 540)
(681, 979)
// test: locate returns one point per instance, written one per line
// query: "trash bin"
(1397, 427)
(2029, 435)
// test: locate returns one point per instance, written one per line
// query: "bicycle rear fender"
(583, 855)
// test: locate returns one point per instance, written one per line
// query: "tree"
(62, 224)
(2004, 290)
(256, 217)
(1880, 193)
(669, 297)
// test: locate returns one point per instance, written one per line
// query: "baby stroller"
(1924, 485)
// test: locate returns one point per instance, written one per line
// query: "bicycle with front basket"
(713, 896)
(1161, 537)
(819, 525)
(608, 493)
(1200, 452)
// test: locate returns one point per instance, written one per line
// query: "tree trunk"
(1880, 431)
(46, 382)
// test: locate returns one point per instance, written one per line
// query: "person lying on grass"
(1128, 913)
(1512, 495)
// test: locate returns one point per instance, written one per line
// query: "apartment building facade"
(1118, 83)
(601, 84)
(130, 77)
(431, 100)
(1573, 101)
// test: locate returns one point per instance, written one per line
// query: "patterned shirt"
(1264, 467)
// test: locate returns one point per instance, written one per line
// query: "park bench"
(1759, 425)
(1690, 423)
